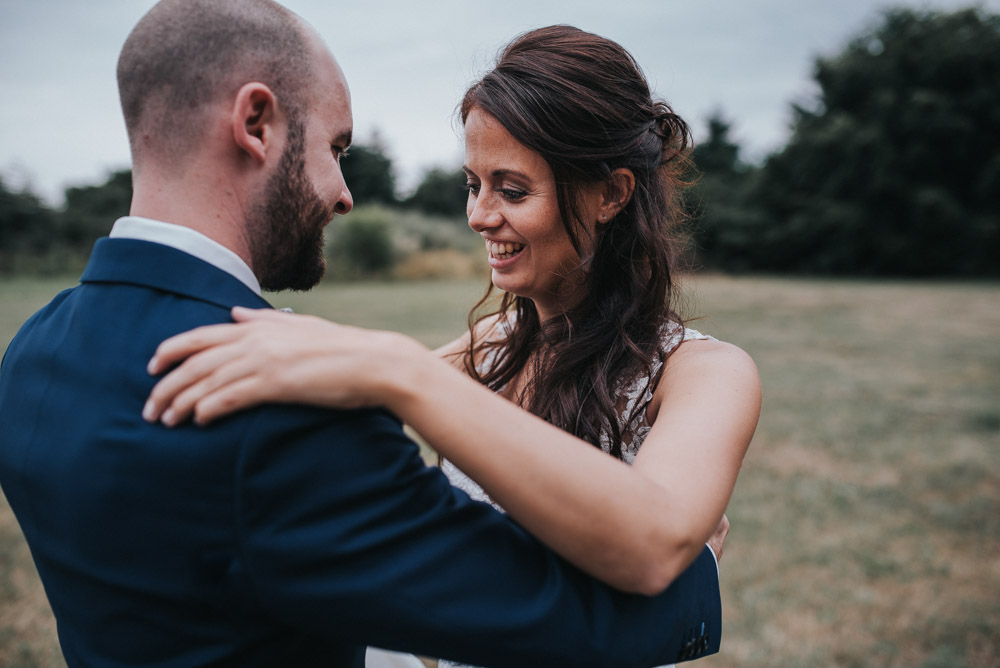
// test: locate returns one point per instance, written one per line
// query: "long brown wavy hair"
(582, 102)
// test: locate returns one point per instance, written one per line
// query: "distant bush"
(438, 264)
(377, 241)
(361, 245)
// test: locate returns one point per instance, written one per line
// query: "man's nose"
(345, 203)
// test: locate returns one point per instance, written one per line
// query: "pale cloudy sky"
(409, 62)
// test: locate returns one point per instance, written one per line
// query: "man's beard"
(285, 227)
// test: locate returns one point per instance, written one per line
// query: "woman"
(573, 175)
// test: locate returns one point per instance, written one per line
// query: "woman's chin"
(503, 282)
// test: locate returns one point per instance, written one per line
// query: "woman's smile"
(501, 251)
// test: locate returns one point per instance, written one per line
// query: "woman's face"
(513, 205)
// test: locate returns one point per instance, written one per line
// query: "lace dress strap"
(634, 397)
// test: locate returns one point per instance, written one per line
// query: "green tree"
(369, 174)
(896, 167)
(91, 210)
(27, 226)
(723, 218)
(718, 155)
(440, 193)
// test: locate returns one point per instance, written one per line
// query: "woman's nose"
(482, 215)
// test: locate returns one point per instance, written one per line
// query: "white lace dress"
(633, 400)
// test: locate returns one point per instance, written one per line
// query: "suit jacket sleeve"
(345, 532)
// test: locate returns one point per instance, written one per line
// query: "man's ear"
(253, 120)
(618, 193)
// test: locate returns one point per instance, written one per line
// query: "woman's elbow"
(661, 567)
(657, 580)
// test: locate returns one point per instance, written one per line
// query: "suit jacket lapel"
(154, 265)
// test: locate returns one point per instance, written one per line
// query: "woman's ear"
(253, 118)
(618, 193)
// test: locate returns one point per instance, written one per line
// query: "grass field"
(866, 522)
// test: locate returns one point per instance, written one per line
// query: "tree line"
(893, 169)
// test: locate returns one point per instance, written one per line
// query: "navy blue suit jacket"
(282, 535)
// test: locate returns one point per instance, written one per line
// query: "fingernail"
(151, 366)
(168, 417)
(147, 411)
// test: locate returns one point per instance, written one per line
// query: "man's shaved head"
(185, 54)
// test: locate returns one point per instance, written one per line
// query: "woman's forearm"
(594, 510)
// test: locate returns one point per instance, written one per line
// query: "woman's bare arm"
(636, 528)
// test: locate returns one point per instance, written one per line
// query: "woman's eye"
(512, 194)
(472, 188)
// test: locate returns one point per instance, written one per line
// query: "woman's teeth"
(503, 250)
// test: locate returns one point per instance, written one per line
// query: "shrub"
(362, 245)
(439, 264)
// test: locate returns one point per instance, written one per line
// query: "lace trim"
(634, 398)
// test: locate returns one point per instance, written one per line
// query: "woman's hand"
(269, 356)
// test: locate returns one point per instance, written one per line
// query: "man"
(286, 535)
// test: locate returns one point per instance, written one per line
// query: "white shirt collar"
(187, 240)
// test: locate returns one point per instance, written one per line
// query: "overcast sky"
(409, 62)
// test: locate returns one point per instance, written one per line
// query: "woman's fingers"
(213, 357)
(194, 399)
(182, 346)
(718, 539)
(185, 403)
(229, 398)
(196, 372)
(244, 314)
(269, 356)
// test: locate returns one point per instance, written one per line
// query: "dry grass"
(866, 528)
(866, 523)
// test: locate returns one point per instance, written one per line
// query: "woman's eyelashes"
(512, 194)
(508, 193)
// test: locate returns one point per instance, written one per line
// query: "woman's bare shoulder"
(705, 362)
